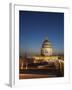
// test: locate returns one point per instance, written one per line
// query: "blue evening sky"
(35, 26)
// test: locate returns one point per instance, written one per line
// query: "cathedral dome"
(45, 41)
(46, 49)
(46, 44)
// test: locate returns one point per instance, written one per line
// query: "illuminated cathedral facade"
(46, 56)
(46, 52)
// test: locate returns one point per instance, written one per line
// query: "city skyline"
(35, 26)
